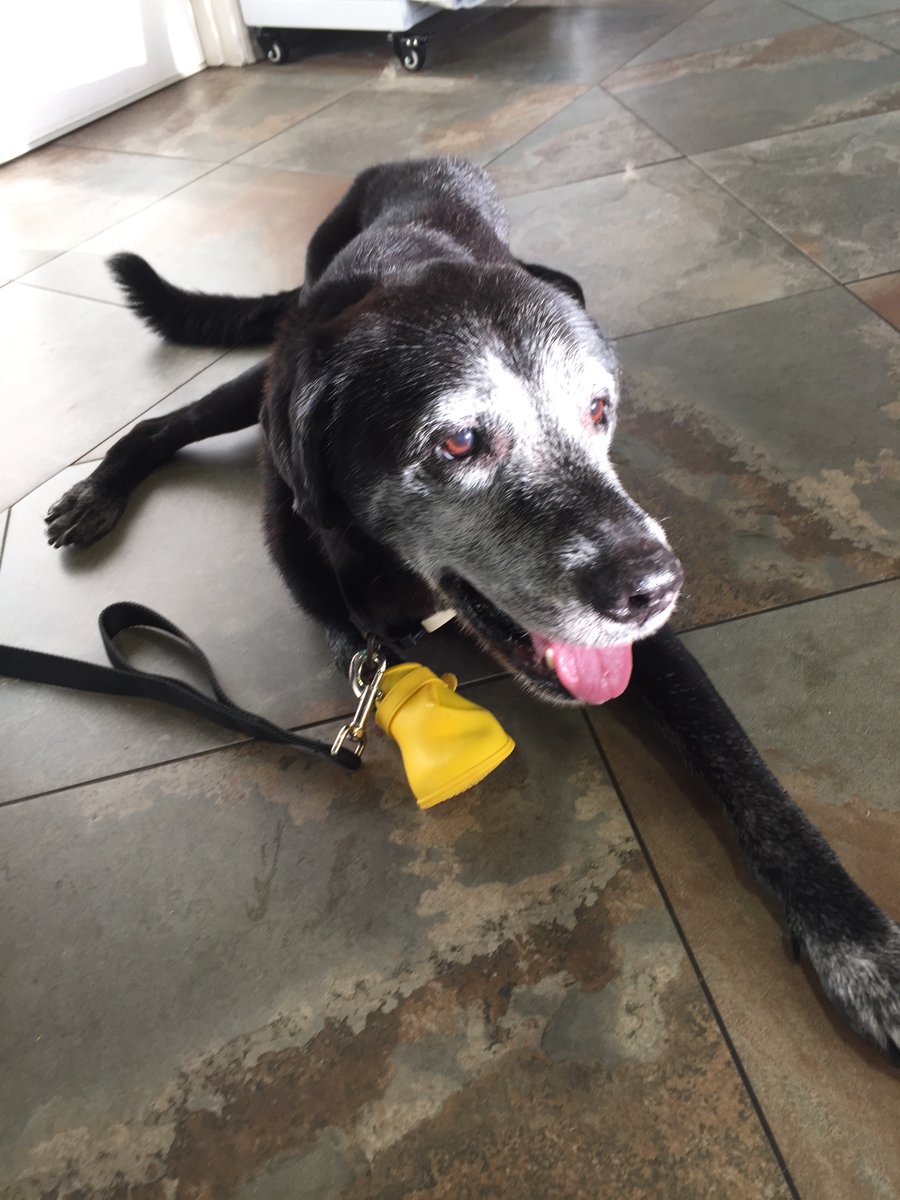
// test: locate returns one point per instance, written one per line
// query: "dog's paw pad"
(83, 515)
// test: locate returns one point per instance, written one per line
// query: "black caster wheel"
(410, 50)
(278, 52)
(273, 45)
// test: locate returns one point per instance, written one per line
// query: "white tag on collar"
(436, 620)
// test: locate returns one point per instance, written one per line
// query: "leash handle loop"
(123, 679)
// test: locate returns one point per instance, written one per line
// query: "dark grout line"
(56, 291)
(693, 154)
(324, 108)
(213, 162)
(759, 216)
(481, 681)
(762, 612)
(188, 158)
(79, 461)
(82, 457)
(724, 312)
(179, 758)
(852, 283)
(108, 228)
(695, 965)
(550, 187)
(845, 284)
(655, 42)
(842, 20)
(848, 287)
(587, 88)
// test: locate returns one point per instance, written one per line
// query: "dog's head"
(462, 418)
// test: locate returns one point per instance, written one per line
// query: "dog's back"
(393, 215)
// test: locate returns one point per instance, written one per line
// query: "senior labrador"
(437, 422)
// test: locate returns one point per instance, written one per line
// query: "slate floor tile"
(881, 294)
(841, 10)
(73, 370)
(189, 547)
(240, 231)
(884, 28)
(726, 23)
(580, 43)
(217, 114)
(831, 191)
(594, 135)
(58, 196)
(251, 974)
(413, 117)
(231, 973)
(736, 432)
(817, 688)
(665, 245)
(813, 76)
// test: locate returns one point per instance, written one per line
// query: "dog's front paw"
(862, 977)
(83, 515)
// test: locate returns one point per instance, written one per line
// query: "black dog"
(437, 421)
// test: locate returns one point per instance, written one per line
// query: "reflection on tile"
(883, 295)
(56, 197)
(832, 191)
(816, 686)
(812, 76)
(666, 245)
(736, 432)
(217, 114)
(289, 978)
(726, 23)
(238, 231)
(594, 135)
(579, 43)
(413, 117)
(884, 28)
(74, 369)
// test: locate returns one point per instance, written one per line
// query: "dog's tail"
(198, 318)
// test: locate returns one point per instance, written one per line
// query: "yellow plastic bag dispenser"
(448, 743)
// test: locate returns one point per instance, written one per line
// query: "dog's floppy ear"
(302, 387)
(565, 283)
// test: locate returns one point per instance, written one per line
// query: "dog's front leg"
(91, 507)
(853, 946)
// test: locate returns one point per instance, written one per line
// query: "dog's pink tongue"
(591, 675)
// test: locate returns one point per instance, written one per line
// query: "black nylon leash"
(122, 679)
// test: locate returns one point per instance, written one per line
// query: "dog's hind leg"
(91, 508)
(853, 946)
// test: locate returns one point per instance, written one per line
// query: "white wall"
(65, 62)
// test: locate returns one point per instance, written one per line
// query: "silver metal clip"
(352, 736)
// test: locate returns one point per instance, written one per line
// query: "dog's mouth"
(558, 670)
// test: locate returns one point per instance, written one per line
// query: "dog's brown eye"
(598, 408)
(460, 445)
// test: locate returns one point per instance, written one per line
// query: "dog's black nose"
(637, 585)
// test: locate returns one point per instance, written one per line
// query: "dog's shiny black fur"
(410, 287)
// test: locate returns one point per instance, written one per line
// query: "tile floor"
(229, 972)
